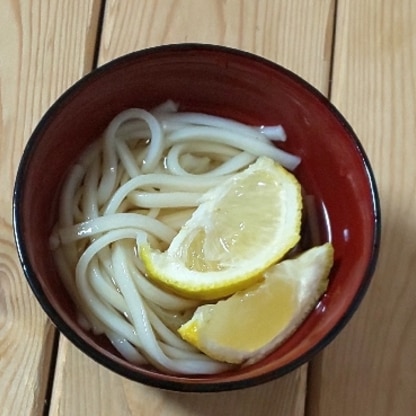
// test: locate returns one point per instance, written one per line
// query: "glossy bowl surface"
(230, 83)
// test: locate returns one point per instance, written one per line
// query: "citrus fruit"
(240, 228)
(251, 323)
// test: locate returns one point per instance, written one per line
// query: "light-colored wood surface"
(370, 369)
(44, 48)
(297, 34)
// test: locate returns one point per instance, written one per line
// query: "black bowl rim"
(184, 386)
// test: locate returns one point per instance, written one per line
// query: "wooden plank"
(84, 388)
(44, 47)
(371, 368)
(298, 35)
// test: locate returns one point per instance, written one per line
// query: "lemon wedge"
(251, 323)
(241, 227)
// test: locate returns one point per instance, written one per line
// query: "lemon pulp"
(280, 305)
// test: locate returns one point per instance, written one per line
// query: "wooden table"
(362, 54)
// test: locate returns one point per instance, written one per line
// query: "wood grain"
(371, 368)
(84, 388)
(296, 34)
(44, 47)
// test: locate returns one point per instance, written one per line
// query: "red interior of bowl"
(231, 84)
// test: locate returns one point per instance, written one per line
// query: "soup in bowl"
(130, 119)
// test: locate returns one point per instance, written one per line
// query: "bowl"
(230, 83)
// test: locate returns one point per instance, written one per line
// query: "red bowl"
(230, 83)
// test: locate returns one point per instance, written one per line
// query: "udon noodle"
(141, 181)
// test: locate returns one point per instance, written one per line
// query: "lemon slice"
(251, 323)
(240, 228)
